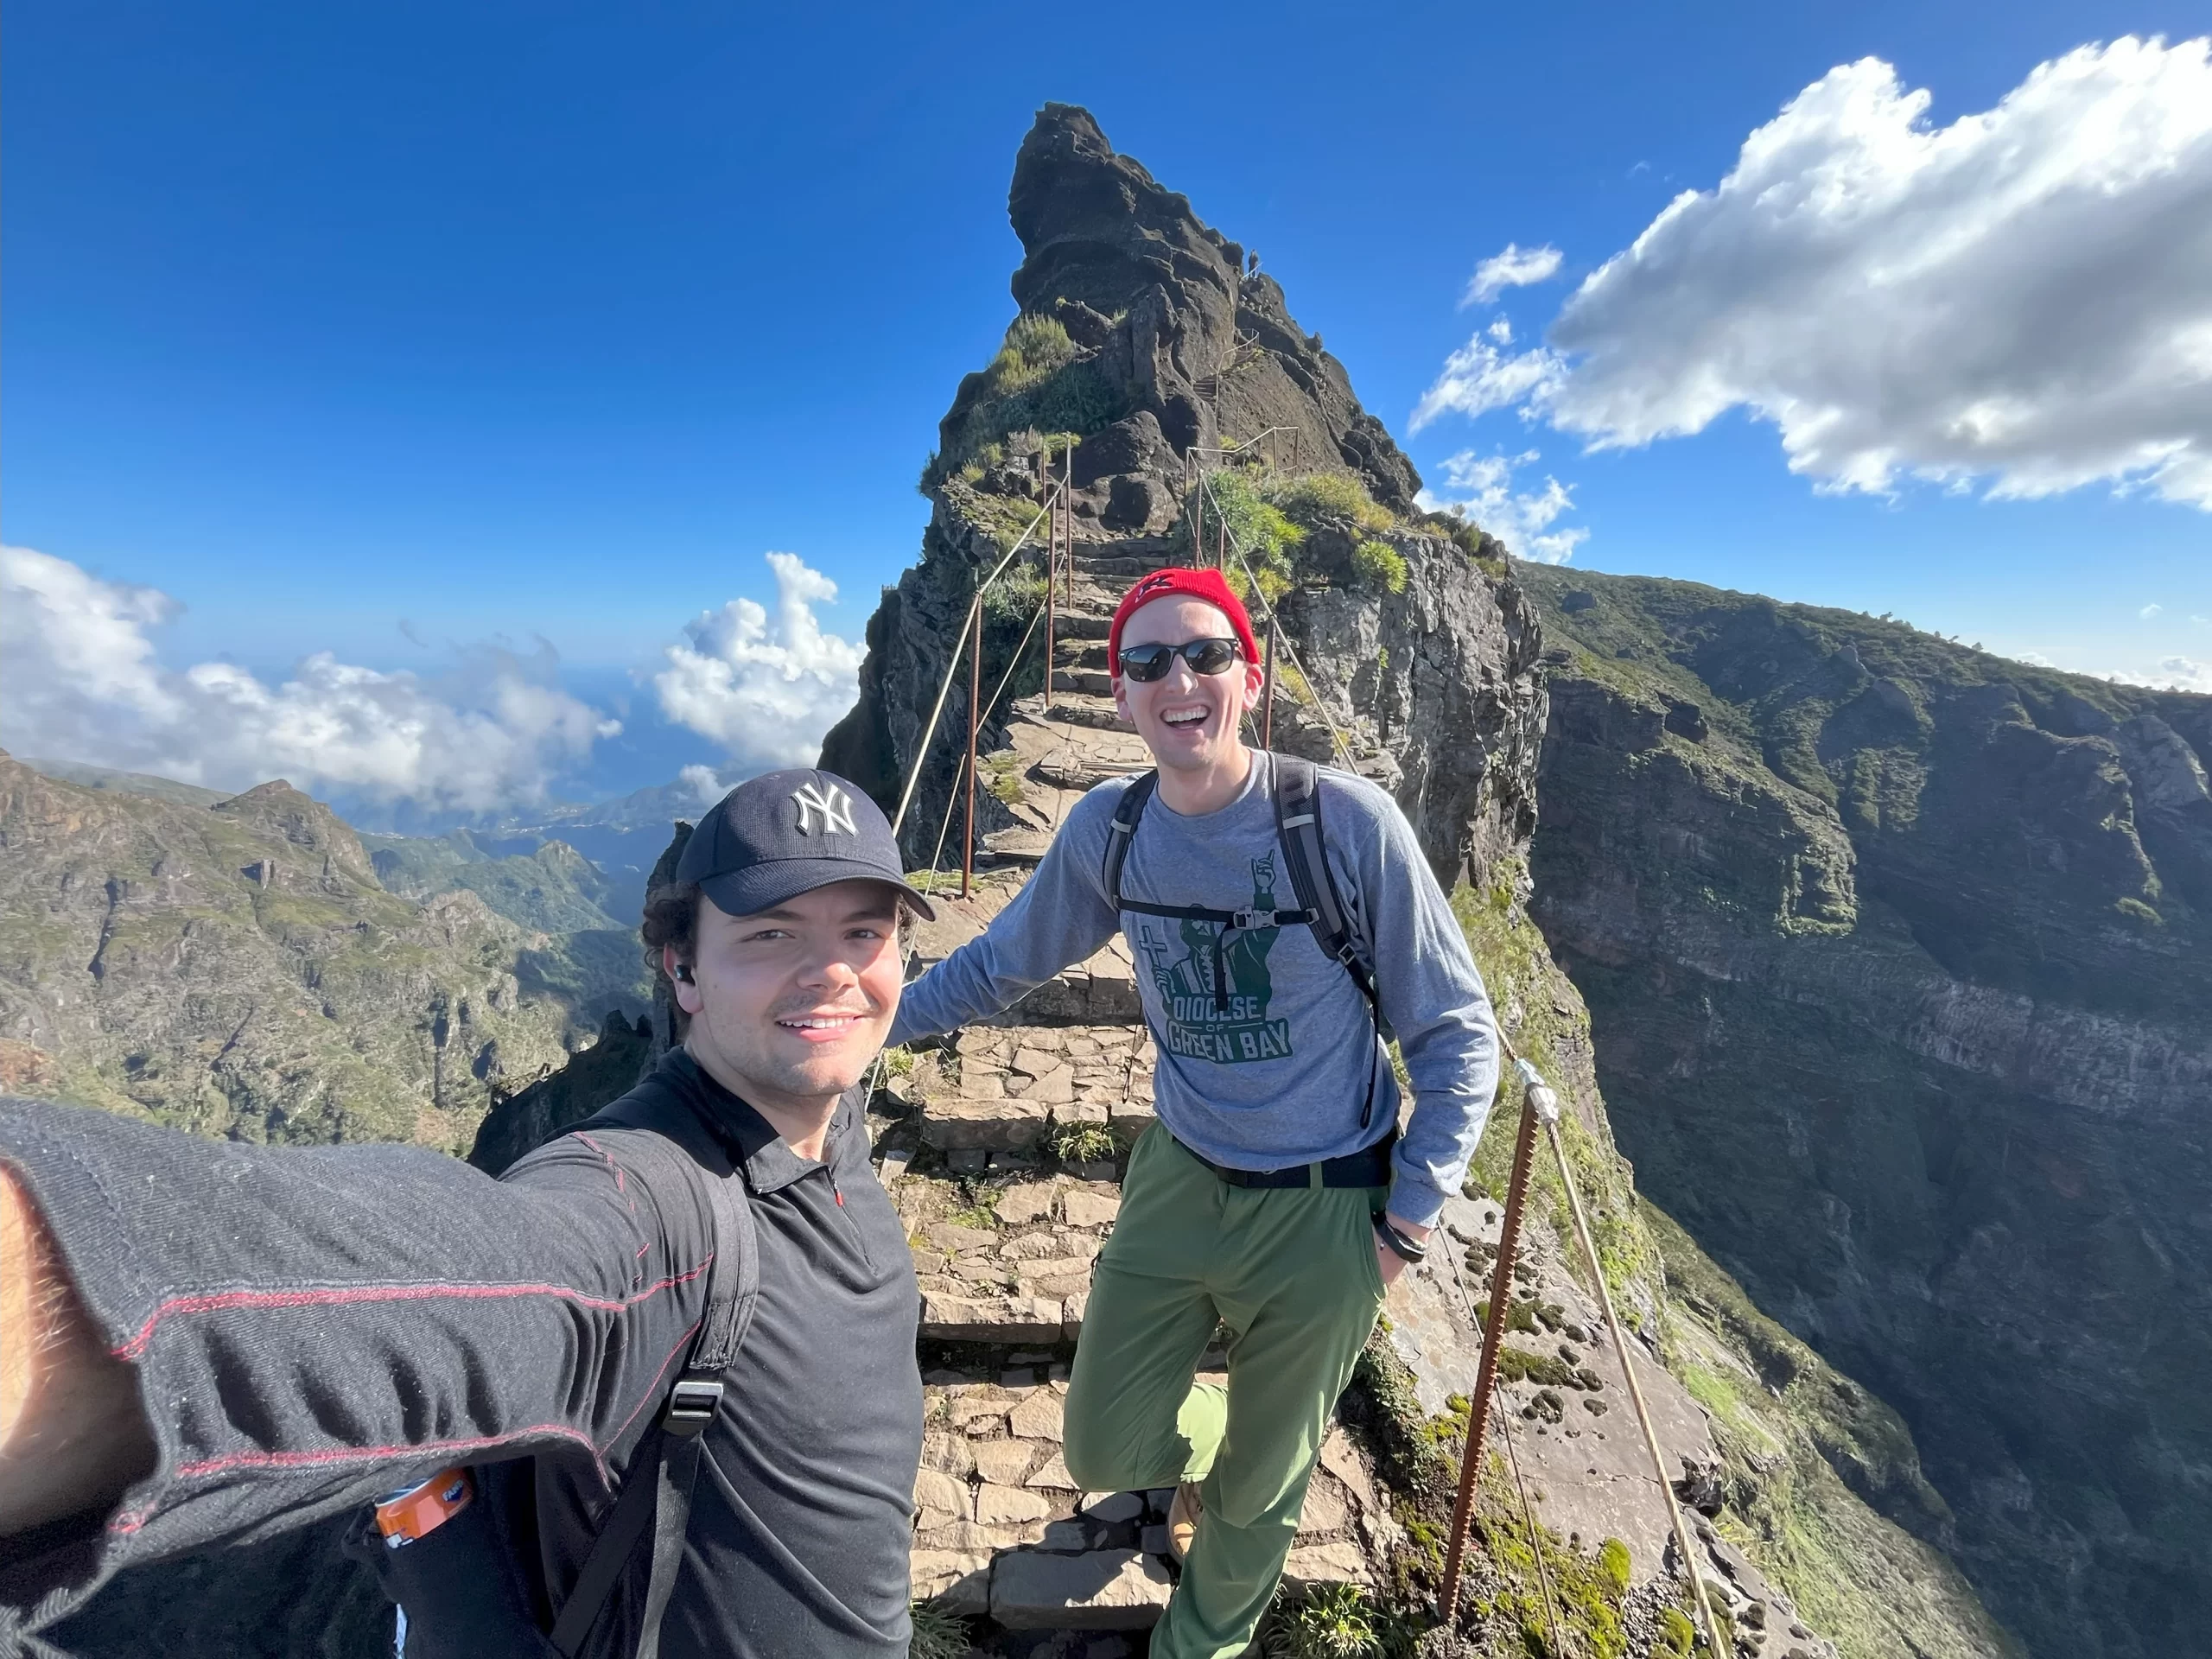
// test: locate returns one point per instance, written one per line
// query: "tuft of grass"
(1081, 1143)
(1613, 1562)
(938, 1633)
(1268, 537)
(1311, 499)
(984, 1211)
(1330, 1621)
(1378, 564)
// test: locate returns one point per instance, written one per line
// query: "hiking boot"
(1183, 1520)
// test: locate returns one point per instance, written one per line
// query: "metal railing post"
(1268, 688)
(1199, 521)
(1051, 595)
(1500, 1295)
(974, 715)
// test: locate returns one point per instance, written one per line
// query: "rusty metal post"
(1501, 1296)
(1198, 520)
(1052, 593)
(1268, 688)
(974, 715)
(1221, 545)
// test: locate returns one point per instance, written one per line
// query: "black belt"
(1369, 1166)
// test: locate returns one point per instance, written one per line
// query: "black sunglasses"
(1147, 663)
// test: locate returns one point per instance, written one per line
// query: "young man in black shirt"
(203, 1343)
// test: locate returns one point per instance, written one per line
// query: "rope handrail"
(952, 665)
(1233, 447)
(990, 708)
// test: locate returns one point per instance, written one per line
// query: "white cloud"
(2150, 610)
(767, 693)
(79, 679)
(2170, 674)
(2022, 298)
(1478, 377)
(1480, 487)
(704, 782)
(1517, 267)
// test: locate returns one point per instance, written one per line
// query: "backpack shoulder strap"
(1123, 830)
(657, 1487)
(1298, 827)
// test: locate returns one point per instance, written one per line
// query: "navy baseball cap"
(784, 833)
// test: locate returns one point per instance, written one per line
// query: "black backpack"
(1298, 829)
(466, 1587)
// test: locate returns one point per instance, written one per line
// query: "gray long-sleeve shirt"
(1282, 1077)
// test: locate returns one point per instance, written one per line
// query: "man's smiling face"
(788, 1007)
(1188, 720)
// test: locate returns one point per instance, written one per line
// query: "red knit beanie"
(1175, 582)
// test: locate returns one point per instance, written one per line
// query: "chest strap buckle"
(691, 1406)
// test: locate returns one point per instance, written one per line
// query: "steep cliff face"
(1899, 962)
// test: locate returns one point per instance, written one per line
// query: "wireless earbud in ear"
(684, 974)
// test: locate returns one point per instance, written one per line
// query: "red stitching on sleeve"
(363, 1453)
(223, 1301)
(652, 1391)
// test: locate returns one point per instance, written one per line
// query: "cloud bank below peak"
(81, 679)
(2021, 299)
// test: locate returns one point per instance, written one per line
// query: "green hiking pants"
(1292, 1273)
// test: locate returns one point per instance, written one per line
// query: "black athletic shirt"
(314, 1327)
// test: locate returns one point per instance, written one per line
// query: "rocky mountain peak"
(328, 845)
(1145, 333)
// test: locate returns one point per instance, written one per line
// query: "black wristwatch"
(1407, 1250)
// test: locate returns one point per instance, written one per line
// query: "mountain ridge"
(1898, 955)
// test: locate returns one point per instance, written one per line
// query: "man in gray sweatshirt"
(1275, 1195)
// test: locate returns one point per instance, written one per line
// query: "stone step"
(1084, 624)
(1083, 653)
(1023, 846)
(1004, 1085)
(1002, 1530)
(1126, 546)
(1078, 709)
(1093, 682)
(1125, 567)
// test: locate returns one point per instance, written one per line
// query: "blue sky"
(386, 331)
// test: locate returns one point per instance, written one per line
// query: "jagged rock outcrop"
(1192, 345)
(1142, 332)
(1899, 959)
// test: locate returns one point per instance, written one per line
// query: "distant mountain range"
(251, 966)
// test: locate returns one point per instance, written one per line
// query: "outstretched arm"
(1058, 917)
(206, 1342)
(73, 1434)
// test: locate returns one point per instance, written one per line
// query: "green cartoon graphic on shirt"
(1199, 1025)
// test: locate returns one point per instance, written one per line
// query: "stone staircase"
(1003, 1151)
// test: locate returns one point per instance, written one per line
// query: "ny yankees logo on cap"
(785, 833)
(831, 802)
